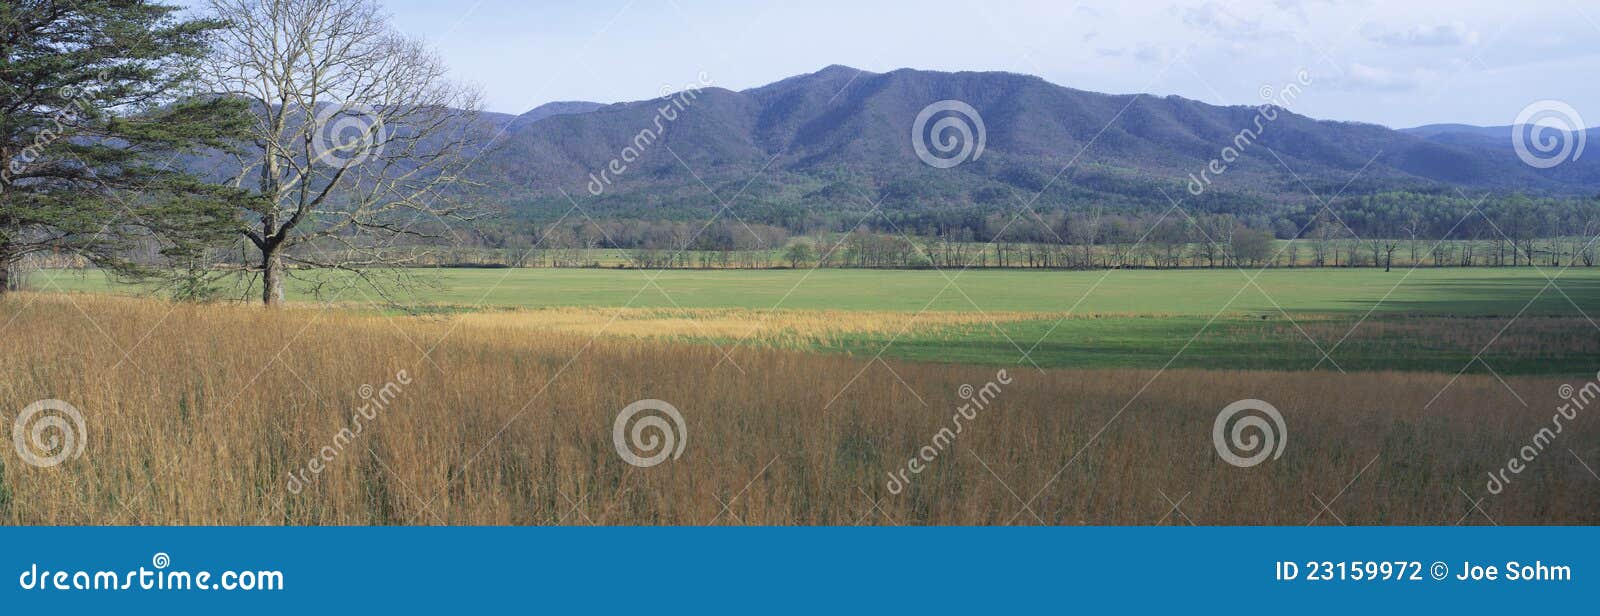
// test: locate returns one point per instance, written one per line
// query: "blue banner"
(817, 570)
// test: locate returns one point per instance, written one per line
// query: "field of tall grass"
(786, 329)
(229, 414)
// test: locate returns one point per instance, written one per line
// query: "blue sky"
(1393, 63)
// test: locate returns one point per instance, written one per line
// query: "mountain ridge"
(832, 138)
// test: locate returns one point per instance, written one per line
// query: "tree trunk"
(271, 277)
(10, 270)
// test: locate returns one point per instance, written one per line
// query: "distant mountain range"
(841, 138)
(549, 110)
(1491, 138)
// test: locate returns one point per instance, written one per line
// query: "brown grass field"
(200, 414)
(786, 329)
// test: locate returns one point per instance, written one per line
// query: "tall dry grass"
(198, 414)
(785, 329)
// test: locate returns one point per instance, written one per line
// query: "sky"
(1395, 63)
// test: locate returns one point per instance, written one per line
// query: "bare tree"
(358, 141)
(1589, 220)
(1084, 229)
(1413, 230)
(1389, 246)
(1322, 233)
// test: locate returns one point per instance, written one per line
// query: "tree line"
(1370, 231)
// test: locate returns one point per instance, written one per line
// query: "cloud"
(1455, 34)
(1362, 76)
(1298, 7)
(1148, 54)
(1218, 20)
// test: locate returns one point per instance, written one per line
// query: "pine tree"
(94, 111)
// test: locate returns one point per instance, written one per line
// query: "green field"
(1431, 319)
(1472, 291)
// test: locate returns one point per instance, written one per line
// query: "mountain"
(1494, 138)
(840, 139)
(1451, 132)
(1432, 131)
(548, 110)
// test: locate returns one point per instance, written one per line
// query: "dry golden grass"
(197, 415)
(788, 329)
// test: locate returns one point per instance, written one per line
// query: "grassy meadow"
(1459, 291)
(1434, 320)
(201, 414)
(802, 392)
